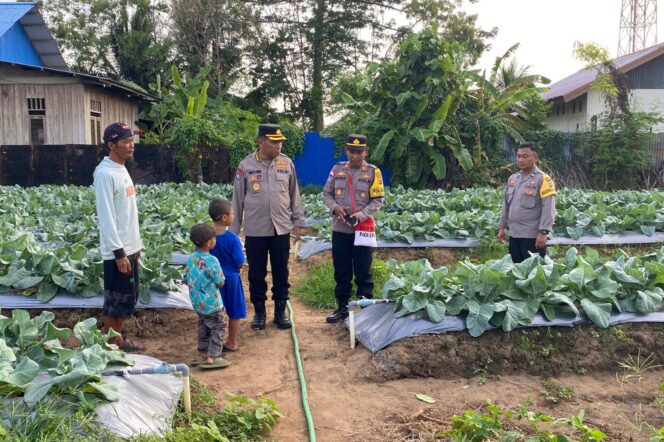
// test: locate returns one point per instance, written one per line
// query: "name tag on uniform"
(282, 171)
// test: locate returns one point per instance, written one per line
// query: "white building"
(576, 105)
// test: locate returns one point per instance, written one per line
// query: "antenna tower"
(638, 25)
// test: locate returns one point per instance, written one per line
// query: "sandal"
(230, 349)
(218, 363)
(131, 347)
(197, 362)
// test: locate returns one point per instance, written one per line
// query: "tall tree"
(214, 33)
(410, 104)
(506, 102)
(319, 40)
(116, 38)
(312, 42)
(140, 51)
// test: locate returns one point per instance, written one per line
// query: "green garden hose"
(303, 382)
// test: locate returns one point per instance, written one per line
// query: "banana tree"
(503, 103)
(408, 104)
(184, 97)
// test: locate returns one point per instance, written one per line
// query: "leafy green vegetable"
(508, 295)
(49, 241)
(434, 214)
(33, 362)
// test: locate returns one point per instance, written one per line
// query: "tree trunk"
(317, 118)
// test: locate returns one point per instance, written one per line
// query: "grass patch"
(316, 289)
(555, 393)
(55, 419)
(52, 419)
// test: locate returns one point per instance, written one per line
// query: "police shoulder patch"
(238, 174)
(547, 187)
(377, 189)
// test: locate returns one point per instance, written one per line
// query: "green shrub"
(188, 135)
(317, 288)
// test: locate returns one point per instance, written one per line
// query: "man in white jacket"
(121, 243)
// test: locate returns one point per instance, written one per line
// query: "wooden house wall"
(67, 100)
(114, 108)
(63, 96)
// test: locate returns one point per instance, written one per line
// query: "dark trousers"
(348, 259)
(211, 329)
(520, 249)
(120, 290)
(258, 247)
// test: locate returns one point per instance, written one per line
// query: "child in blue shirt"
(228, 251)
(203, 275)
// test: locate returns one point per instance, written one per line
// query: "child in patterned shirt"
(203, 275)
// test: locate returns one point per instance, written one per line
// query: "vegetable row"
(507, 295)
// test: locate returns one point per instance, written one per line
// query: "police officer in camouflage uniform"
(367, 187)
(266, 196)
(529, 206)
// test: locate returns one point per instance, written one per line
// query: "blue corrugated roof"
(10, 13)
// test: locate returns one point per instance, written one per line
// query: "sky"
(547, 30)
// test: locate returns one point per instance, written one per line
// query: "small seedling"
(555, 393)
(619, 334)
(635, 368)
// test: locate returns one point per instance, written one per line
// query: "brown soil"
(356, 396)
(545, 351)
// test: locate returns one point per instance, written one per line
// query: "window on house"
(95, 122)
(36, 106)
(36, 113)
(557, 109)
(563, 106)
(37, 134)
(580, 102)
(574, 107)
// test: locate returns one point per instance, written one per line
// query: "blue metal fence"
(318, 156)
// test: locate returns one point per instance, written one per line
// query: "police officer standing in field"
(266, 196)
(529, 206)
(363, 182)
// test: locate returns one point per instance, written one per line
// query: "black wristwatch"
(544, 232)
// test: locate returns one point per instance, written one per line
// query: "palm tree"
(504, 103)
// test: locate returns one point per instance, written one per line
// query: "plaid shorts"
(120, 290)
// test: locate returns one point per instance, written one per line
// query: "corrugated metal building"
(41, 100)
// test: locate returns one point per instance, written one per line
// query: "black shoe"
(339, 315)
(280, 317)
(259, 317)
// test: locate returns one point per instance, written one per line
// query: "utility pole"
(638, 25)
